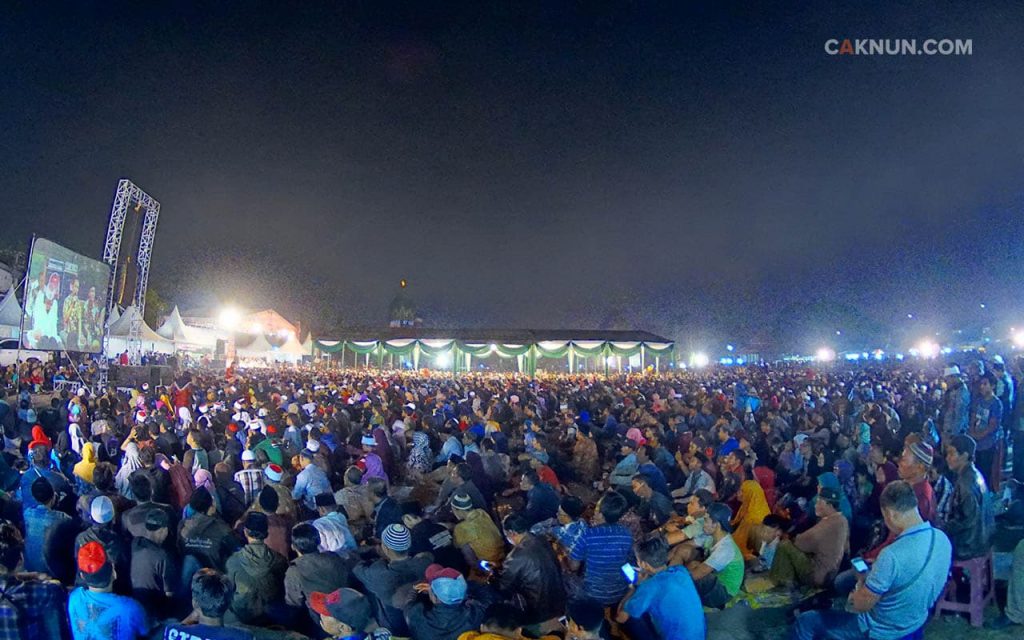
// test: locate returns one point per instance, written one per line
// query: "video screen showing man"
(65, 301)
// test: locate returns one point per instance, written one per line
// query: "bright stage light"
(443, 360)
(610, 361)
(928, 349)
(825, 354)
(1018, 339)
(699, 360)
(229, 318)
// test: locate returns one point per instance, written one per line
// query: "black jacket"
(443, 621)
(532, 578)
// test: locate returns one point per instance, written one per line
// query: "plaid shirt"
(252, 483)
(31, 609)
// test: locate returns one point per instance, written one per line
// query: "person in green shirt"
(718, 578)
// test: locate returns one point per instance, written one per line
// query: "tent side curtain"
(512, 350)
(329, 346)
(478, 349)
(399, 347)
(552, 349)
(588, 347)
(434, 348)
(362, 348)
(659, 348)
(624, 349)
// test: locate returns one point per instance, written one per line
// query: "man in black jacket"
(531, 576)
(442, 611)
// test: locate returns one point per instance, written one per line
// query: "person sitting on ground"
(204, 535)
(812, 558)
(346, 614)
(501, 622)
(662, 603)
(654, 507)
(332, 524)
(211, 596)
(96, 612)
(441, 610)
(541, 498)
(531, 574)
(719, 577)
(892, 600)
(689, 542)
(384, 578)
(602, 549)
(475, 534)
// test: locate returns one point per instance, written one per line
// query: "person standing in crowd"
(970, 520)
(211, 596)
(986, 427)
(257, 573)
(32, 605)
(96, 612)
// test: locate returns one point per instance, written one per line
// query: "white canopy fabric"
(10, 315)
(260, 347)
(175, 329)
(121, 327)
(115, 313)
(291, 351)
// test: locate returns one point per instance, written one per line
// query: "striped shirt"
(251, 481)
(604, 549)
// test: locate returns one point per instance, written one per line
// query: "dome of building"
(401, 312)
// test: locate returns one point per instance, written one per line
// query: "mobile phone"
(629, 571)
(486, 566)
(859, 565)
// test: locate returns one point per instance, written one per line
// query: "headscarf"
(766, 478)
(374, 468)
(203, 478)
(87, 466)
(753, 505)
(420, 457)
(829, 480)
(130, 463)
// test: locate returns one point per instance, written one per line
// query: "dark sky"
(708, 172)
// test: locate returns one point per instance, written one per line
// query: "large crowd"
(371, 505)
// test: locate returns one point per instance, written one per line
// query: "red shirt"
(547, 474)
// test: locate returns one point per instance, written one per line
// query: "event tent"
(184, 336)
(10, 315)
(119, 330)
(291, 351)
(260, 348)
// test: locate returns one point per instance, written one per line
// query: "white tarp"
(10, 315)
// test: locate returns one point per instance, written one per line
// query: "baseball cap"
(951, 370)
(93, 564)
(101, 510)
(447, 584)
(347, 606)
(368, 441)
(396, 537)
(722, 514)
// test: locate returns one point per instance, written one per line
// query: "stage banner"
(65, 300)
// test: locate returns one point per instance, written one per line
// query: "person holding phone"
(661, 601)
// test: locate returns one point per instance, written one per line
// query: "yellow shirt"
(482, 535)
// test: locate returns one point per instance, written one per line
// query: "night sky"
(706, 173)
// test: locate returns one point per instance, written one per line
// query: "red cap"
(91, 557)
(232, 427)
(271, 428)
(436, 571)
(318, 601)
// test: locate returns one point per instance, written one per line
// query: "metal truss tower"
(130, 195)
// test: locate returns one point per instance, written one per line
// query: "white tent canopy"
(120, 329)
(175, 329)
(291, 351)
(10, 315)
(114, 315)
(258, 348)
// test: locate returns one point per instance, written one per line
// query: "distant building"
(402, 312)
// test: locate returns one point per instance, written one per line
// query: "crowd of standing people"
(372, 505)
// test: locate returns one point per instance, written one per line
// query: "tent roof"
(115, 313)
(10, 310)
(504, 336)
(122, 326)
(174, 328)
(258, 346)
(294, 347)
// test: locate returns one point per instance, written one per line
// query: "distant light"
(838, 332)
(729, 347)
(910, 315)
(229, 318)
(726, 361)
(740, 361)
(982, 305)
(443, 360)
(825, 354)
(899, 356)
(610, 360)
(852, 356)
(927, 349)
(1018, 339)
(946, 350)
(879, 354)
(699, 360)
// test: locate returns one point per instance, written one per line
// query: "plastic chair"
(979, 572)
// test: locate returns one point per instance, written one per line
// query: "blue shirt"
(903, 607)
(311, 482)
(105, 616)
(981, 413)
(604, 549)
(671, 602)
